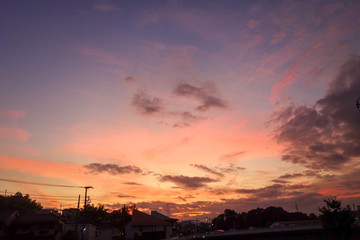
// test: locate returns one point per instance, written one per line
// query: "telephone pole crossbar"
(85, 200)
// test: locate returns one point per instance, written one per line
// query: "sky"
(184, 107)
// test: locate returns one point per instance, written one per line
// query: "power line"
(50, 185)
(41, 195)
(41, 184)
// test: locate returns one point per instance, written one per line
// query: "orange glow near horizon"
(187, 108)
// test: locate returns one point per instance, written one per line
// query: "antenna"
(296, 206)
(86, 198)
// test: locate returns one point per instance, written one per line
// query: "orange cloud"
(42, 168)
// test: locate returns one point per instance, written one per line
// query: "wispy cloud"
(8, 127)
(206, 93)
(253, 23)
(101, 56)
(272, 191)
(207, 169)
(105, 7)
(231, 168)
(186, 119)
(11, 113)
(232, 156)
(14, 133)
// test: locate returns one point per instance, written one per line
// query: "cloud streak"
(14, 134)
(114, 169)
(272, 191)
(206, 169)
(187, 182)
(101, 56)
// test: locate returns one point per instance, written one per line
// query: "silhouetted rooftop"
(143, 219)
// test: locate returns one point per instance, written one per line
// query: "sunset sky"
(185, 107)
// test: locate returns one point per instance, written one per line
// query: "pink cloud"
(14, 133)
(182, 55)
(129, 79)
(253, 23)
(333, 7)
(287, 80)
(42, 168)
(101, 56)
(12, 114)
(16, 148)
(278, 37)
(104, 7)
(198, 21)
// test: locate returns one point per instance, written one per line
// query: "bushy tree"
(94, 215)
(337, 219)
(258, 217)
(22, 203)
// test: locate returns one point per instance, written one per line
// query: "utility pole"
(86, 188)
(77, 214)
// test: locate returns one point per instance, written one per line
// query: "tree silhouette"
(22, 203)
(258, 217)
(337, 219)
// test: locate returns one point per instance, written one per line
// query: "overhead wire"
(36, 183)
(40, 195)
(46, 197)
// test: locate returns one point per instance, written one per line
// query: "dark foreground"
(313, 234)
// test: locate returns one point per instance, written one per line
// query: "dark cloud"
(186, 119)
(185, 198)
(146, 104)
(206, 169)
(325, 135)
(219, 170)
(132, 183)
(125, 196)
(181, 198)
(114, 169)
(280, 181)
(307, 173)
(221, 192)
(272, 191)
(129, 79)
(206, 93)
(347, 180)
(289, 176)
(187, 182)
